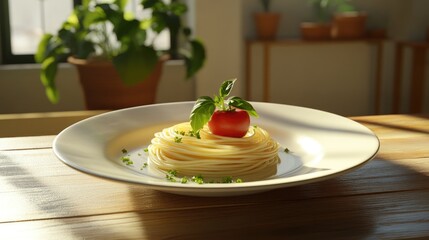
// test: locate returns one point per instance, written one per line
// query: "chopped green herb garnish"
(124, 151)
(145, 150)
(170, 176)
(126, 160)
(183, 133)
(198, 179)
(286, 150)
(227, 180)
(177, 139)
(172, 173)
(191, 133)
(144, 166)
(194, 134)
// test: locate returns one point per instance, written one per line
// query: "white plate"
(322, 145)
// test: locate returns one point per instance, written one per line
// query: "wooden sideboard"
(417, 78)
(268, 45)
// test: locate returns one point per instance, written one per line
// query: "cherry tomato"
(229, 123)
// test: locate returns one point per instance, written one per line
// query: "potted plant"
(110, 47)
(266, 22)
(321, 28)
(348, 23)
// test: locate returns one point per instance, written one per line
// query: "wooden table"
(388, 198)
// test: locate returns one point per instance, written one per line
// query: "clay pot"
(103, 88)
(315, 31)
(349, 25)
(267, 24)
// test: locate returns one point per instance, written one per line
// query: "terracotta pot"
(267, 24)
(103, 89)
(349, 25)
(315, 31)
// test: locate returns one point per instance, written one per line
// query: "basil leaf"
(47, 75)
(44, 48)
(237, 102)
(201, 112)
(226, 87)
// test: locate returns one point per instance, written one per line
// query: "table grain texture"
(387, 198)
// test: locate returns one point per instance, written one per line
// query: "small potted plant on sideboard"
(348, 22)
(320, 29)
(266, 22)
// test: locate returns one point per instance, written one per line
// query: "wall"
(21, 90)
(219, 23)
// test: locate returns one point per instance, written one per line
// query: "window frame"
(7, 56)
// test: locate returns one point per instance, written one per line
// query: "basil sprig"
(205, 106)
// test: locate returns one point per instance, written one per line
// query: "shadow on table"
(345, 207)
(299, 211)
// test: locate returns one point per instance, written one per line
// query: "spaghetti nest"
(253, 157)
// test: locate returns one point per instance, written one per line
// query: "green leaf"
(69, 39)
(127, 29)
(149, 3)
(86, 3)
(93, 17)
(47, 76)
(237, 102)
(121, 4)
(201, 112)
(146, 23)
(84, 49)
(159, 21)
(134, 66)
(115, 16)
(195, 60)
(226, 87)
(73, 19)
(140, 37)
(178, 8)
(44, 48)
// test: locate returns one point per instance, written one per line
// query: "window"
(23, 22)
